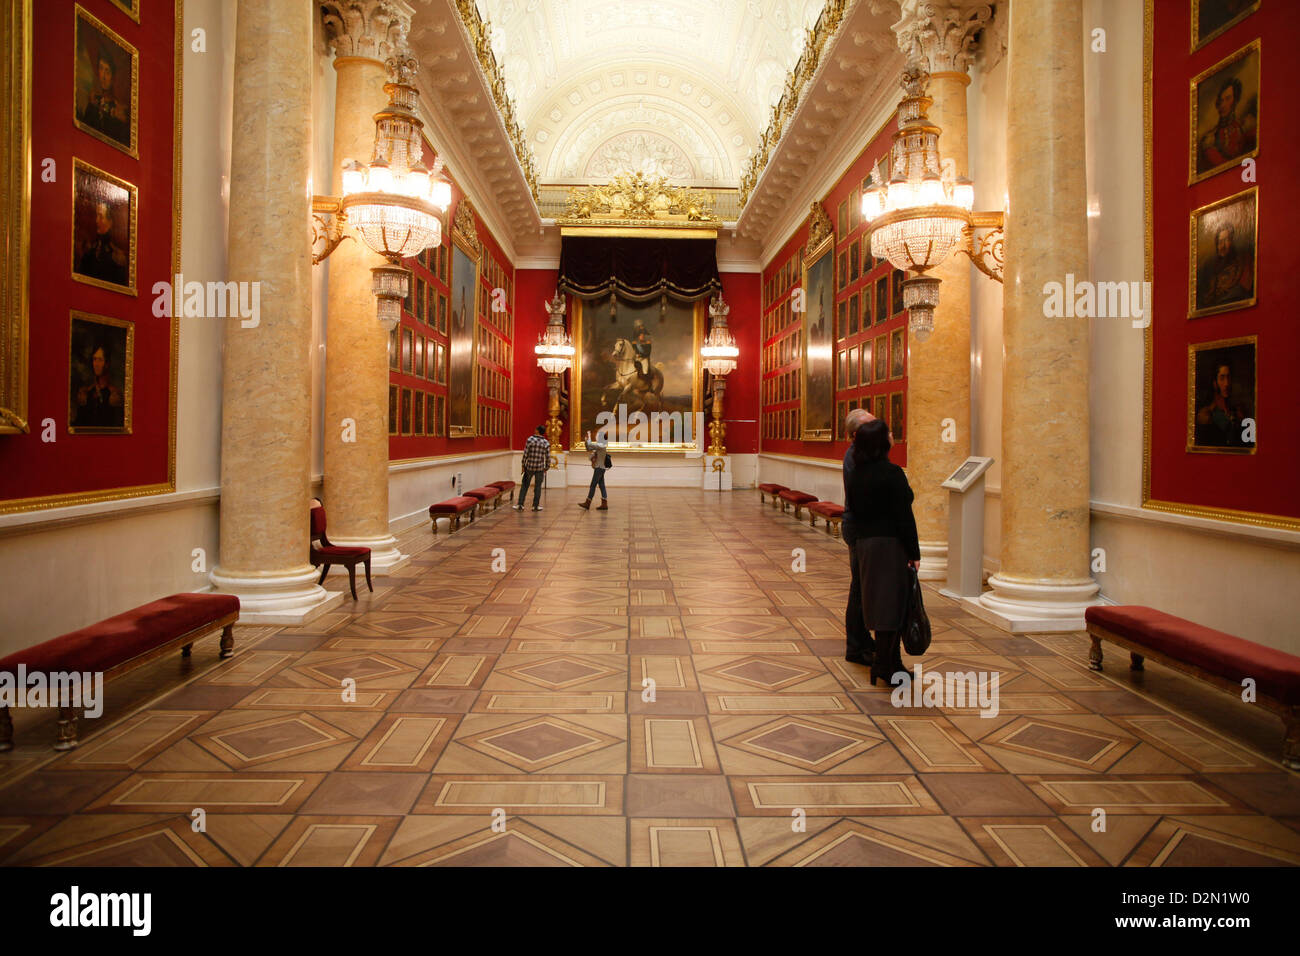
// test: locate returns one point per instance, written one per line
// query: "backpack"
(609, 462)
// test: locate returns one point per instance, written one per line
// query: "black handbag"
(916, 623)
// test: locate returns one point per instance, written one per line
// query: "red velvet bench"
(771, 489)
(797, 498)
(1213, 656)
(453, 508)
(833, 513)
(505, 486)
(121, 644)
(485, 494)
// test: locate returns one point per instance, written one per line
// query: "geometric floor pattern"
(655, 685)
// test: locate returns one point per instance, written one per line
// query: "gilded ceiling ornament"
(819, 225)
(463, 226)
(635, 198)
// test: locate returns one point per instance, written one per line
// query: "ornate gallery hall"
(612, 433)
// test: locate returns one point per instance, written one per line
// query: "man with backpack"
(600, 461)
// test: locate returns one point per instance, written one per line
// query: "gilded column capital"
(941, 33)
(374, 29)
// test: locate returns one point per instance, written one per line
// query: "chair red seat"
(485, 493)
(796, 497)
(771, 487)
(454, 506)
(341, 551)
(503, 485)
(121, 643)
(1276, 673)
(827, 509)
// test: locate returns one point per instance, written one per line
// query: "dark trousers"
(597, 479)
(858, 638)
(536, 478)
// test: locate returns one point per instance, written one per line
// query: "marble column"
(942, 36)
(363, 34)
(266, 373)
(1044, 582)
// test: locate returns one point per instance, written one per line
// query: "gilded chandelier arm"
(985, 251)
(327, 223)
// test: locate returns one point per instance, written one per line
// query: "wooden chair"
(331, 554)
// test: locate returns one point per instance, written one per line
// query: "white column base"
(287, 598)
(934, 561)
(712, 471)
(384, 556)
(1020, 606)
(557, 477)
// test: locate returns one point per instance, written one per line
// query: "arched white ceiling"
(679, 86)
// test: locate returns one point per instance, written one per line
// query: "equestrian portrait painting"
(644, 356)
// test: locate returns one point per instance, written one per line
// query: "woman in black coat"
(884, 530)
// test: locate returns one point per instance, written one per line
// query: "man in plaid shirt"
(537, 458)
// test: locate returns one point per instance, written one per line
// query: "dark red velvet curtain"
(639, 269)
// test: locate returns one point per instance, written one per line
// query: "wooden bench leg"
(227, 640)
(761, 499)
(324, 571)
(6, 730)
(1135, 662)
(836, 534)
(1290, 742)
(368, 584)
(67, 729)
(352, 579)
(1094, 653)
(187, 650)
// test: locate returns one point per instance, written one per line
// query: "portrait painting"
(882, 299)
(866, 363)
(882, 409)
(817, 346)
(882, 358)
(1221, 390)
(421, 301)
(442, 313)
(105, 84)
(866, 307)
(853, 315)
(463, 331)
(852, 380)
(842, 326)
(100, 375)
(841, 413)
(841, 379)
(640, 358)
(843, 271)
(408, 346)
(394, 347)
(1210, 18)
(868, 261)
(896, 417)
(855, 265)
(406, 410)
(394, 391)
(418, 365)
(842, 219)
(417, 414)
(431, 360)
(897, 355)
(103, 229)
(896, 290)
(432, 426)
(1225, 114)
(1223, 255)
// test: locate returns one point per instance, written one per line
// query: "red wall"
(533, 289)
(845, 238)
(743, 293)
(1263, 482)
(89, 463)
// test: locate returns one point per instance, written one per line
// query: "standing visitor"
(537, 458)
(857, 638)
(599, 461)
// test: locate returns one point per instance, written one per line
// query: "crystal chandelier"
(916, 210)
(394, 203)
(719, 353)
(554, 351)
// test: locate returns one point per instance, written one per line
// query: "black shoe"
(857, 659)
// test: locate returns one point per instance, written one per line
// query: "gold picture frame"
(85, 73)
(130, 7)
(578, 316)
(466, 425)
(818, 266)
(1222, 28)
(16, 28)
(1196, 171)
(1197, 379)
(86, 223)
(1199, 300)
(101, 355)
